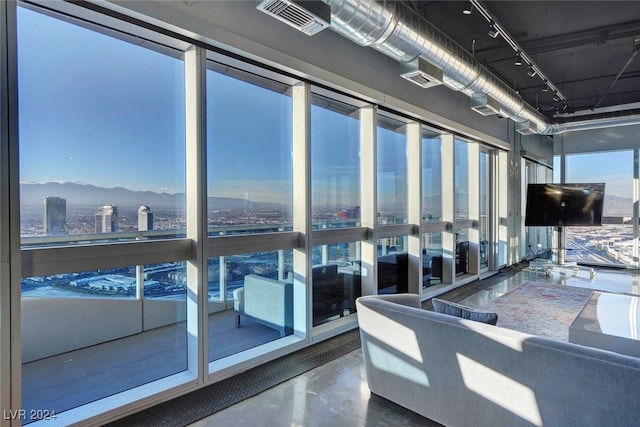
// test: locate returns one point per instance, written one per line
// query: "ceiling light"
(531, 73)
(545, 88)
(493, 31)
(518, 60)
(468, 8)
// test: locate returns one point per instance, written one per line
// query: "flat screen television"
(564, 205)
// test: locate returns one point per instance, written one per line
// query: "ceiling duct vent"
(526, 128)
(485, 105)
(421, 72)
(306, 16)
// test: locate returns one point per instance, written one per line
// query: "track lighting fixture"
(493, 31)
(545, 88)
(468, 8)
(518, 61)
(531, 73)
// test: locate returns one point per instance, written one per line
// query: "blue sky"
(129, 138)
(615, 168)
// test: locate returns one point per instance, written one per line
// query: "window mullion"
(196, 196)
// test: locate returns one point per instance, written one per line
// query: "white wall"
(52, 326)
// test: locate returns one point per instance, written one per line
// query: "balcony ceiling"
(585, 48)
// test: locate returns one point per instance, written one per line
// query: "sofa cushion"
(464, 312)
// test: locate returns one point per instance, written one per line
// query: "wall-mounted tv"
(564, 205)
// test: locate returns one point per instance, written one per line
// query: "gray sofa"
(463, 373)
(267, 301)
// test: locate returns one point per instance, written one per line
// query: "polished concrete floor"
(336, 393)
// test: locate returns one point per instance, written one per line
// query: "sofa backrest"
(268, 299)
(464, 373)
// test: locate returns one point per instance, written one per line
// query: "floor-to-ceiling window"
(392, 203)
(335, 204)
(102, 171)
(432, 208)
(462, 207)
(250, 191)
(392, 171)
(613, 242)
(483, 225)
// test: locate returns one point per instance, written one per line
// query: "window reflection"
(393, 265)
(431, 259)
(336, 280)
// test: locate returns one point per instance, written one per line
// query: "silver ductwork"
(400, 33)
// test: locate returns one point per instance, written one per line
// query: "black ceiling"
(585, 48)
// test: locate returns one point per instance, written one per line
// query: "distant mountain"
(85, 194)
(91, 195)
(617, 206)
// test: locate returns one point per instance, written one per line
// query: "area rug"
(539, 308)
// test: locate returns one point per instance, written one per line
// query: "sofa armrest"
(238, 300)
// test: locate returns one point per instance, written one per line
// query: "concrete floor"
(336, 393)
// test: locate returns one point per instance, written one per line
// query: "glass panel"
(393, 265)
(335, 163)
(85, 335)
(97, 142)
(249, 144)
(461, 180)
(431, 177)
(462, 251)
(484, 209)
(556, 169)
(392, 172)
(431, 259)
(250, 301)
(336, 280)
(613, 242)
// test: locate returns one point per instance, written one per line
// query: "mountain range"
(90, 195)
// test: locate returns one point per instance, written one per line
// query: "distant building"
(107, 219)
(54, 220)
(145, 218)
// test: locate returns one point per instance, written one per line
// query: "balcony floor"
(68, 380)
